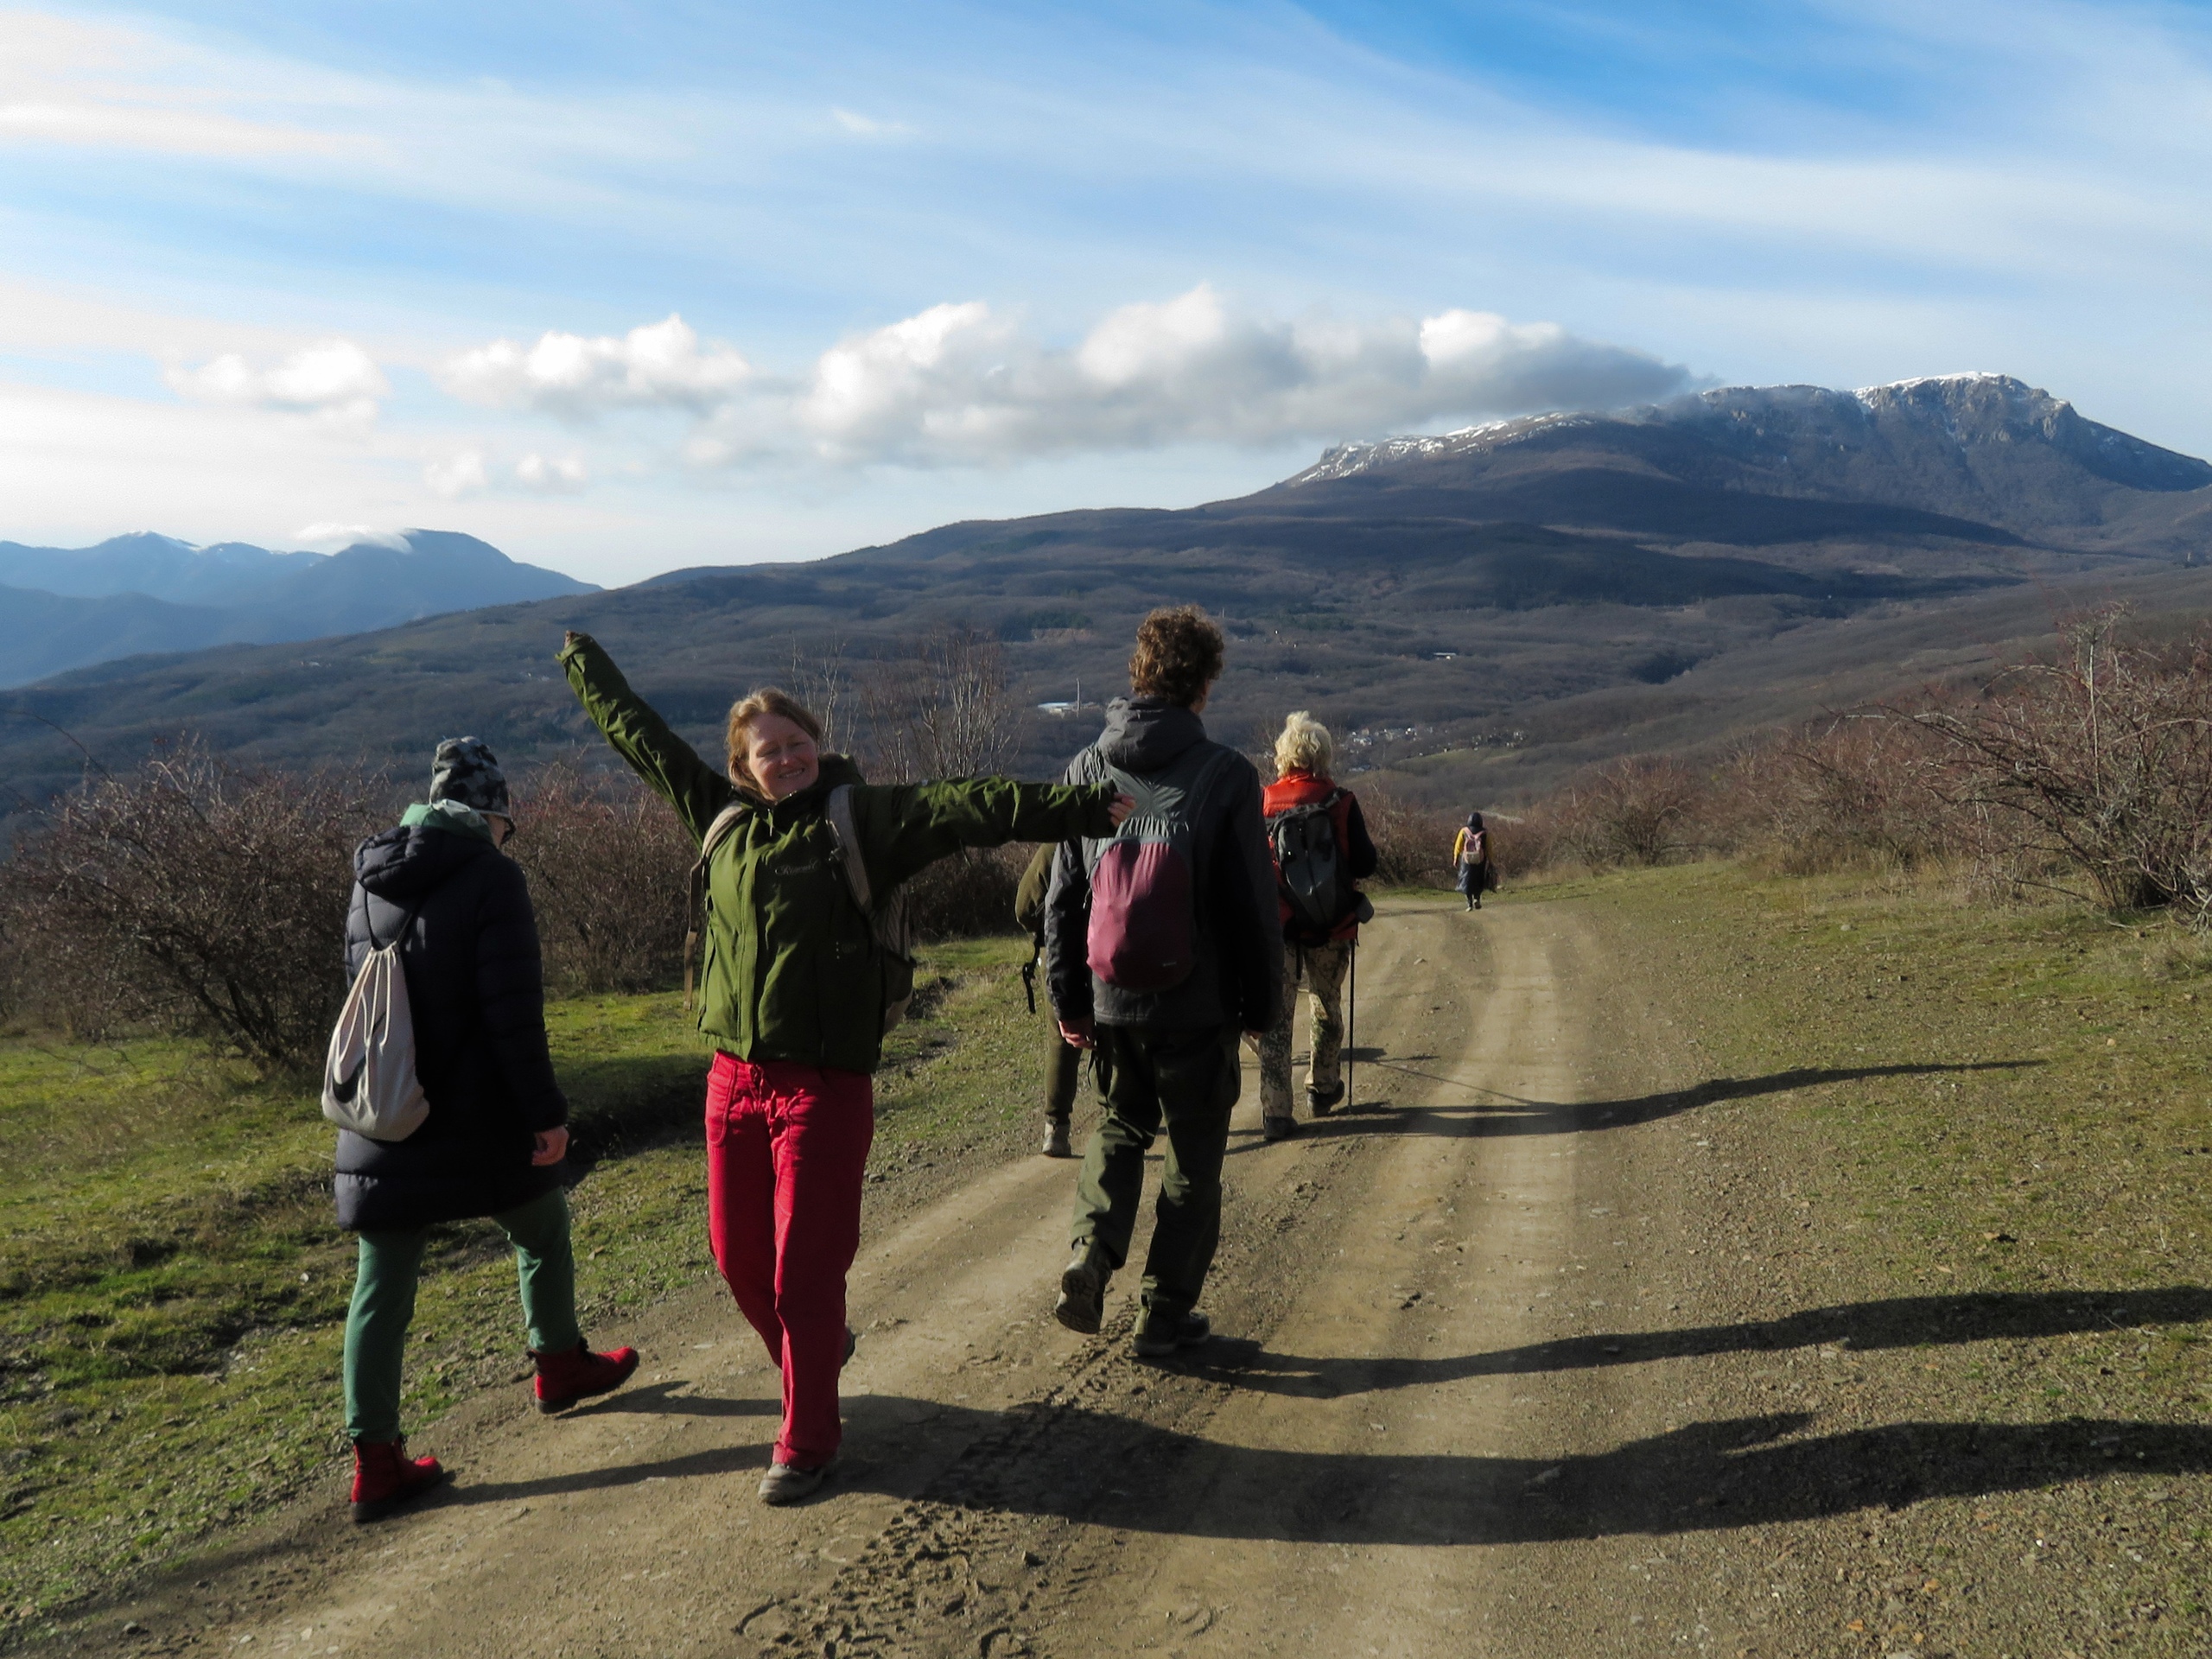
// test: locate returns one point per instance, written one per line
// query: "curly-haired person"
(1162, 944)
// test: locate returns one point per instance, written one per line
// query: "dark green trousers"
(384, 1305)
(1188, 1082)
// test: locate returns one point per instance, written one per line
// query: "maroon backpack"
(1144, 924)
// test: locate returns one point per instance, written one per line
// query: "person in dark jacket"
(496, 1136)
(1304, 753)
(1470, 865)
(793, 994)
(1062, 1061)
(1169, 1055)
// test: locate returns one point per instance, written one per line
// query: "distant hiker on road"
(1160, 945)
(1321, 848)
(805, 968)
(495, 1137)
(1471, 860)
(1062, 1061)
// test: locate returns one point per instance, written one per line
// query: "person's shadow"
(1902, 1322)
(1488, 1111)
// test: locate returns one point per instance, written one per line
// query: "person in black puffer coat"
(496, 1139)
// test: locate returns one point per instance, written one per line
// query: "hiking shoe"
(1278, 1129)
(786, 1483)
(1082, 1290)
(1322, 1102)
(577, 1373)
(1161, 1334)
(1056, 1140)
(385, 1477)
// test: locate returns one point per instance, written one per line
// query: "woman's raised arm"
(657, 754)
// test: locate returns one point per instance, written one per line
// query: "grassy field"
(173, 1288)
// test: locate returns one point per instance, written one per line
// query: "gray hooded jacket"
(1237, 979)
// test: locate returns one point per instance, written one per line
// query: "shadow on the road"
(1492, 1112)
(661, 1399)
(1902, 1322)
(1101, 1470)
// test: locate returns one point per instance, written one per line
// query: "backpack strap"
(840, 813)
(717, 832)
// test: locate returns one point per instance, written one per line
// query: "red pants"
(786, 1148)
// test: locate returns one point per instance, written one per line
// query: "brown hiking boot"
(1082, 1290)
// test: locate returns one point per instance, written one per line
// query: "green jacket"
(790, 969)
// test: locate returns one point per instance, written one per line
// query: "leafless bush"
(609, 870)
(970, 895)
(1847, 792)
(195, 897)
(2101, 758)
(1644, 810)
(1413, 844)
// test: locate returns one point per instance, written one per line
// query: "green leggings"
(384, 1305)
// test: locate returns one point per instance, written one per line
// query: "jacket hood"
(401, 865)
(1145, 733)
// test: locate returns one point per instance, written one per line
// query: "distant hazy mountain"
(68, 608)
(1489, 608)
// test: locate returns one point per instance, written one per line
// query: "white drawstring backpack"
(369, 1084)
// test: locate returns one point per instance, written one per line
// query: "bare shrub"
(1413, 842)
(1641, 811)
(195, 897)
(609, 869)
(2101, 758)
(1850, 791)
(970, 895)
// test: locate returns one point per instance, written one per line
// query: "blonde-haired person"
(791, 995)
(1319, 927)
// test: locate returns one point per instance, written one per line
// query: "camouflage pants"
(1320, 969)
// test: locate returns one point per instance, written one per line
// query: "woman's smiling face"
(781, 757)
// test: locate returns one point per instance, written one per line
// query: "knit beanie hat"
(466, 770)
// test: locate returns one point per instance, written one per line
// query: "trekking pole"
(1351, 1026)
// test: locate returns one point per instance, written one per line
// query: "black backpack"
(1309, 870)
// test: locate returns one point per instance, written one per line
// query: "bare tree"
(942, 709)
(820, 680)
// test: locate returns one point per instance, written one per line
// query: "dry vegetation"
(2088, 772)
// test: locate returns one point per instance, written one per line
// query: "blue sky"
(626, 287)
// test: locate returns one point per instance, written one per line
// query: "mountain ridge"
(159, 594)
(1614, 568)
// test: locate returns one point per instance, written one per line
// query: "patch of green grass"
(173, 1285)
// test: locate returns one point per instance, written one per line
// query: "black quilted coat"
(475, 989)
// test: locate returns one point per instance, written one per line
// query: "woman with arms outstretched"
(792, 995)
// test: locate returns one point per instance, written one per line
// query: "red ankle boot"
(577, 1373)
(385, 1478)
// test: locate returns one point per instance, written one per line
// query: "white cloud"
(961, 384)
(328, 537)
(333, 380)
(659, 365)
(565, 475)
(462, 474)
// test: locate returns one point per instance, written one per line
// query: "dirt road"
(1394, 1446)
